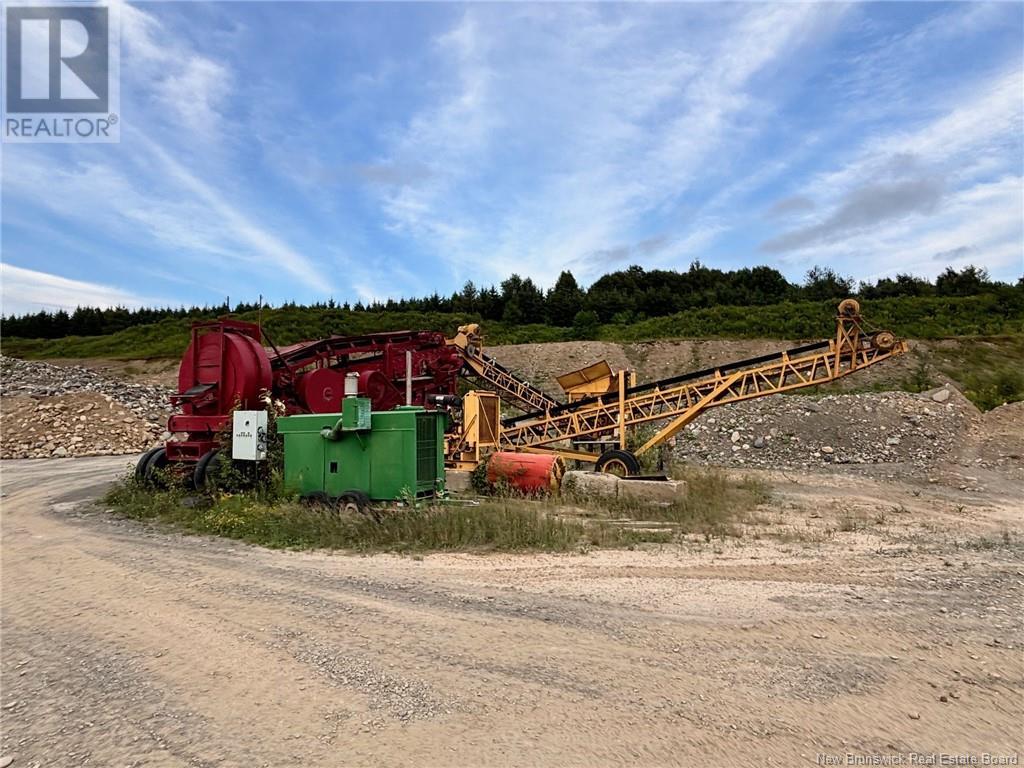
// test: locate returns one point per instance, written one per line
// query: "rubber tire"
(157, 462)
(140, 468)
(317, 499)
(617, 456)
(356, 502)
(200, 479)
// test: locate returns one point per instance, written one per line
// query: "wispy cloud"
(186, 88)
(916, 191)
(980, 225)
(253, 243)
(27, 290)
(165, 190)
(865, 206)
(788, 206)
(628, 130)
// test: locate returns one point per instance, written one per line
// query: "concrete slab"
(458, 480)
(580, 485)
(653, 491)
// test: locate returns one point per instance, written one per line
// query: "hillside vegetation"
(629, 306)
(910, 317)
(619, 298)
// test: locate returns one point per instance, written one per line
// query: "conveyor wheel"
(618, 462)
(849, 307)
(884, 340)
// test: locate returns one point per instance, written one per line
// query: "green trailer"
(358, 455)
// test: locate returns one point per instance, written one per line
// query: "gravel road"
(127, 645)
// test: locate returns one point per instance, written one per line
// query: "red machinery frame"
(226, 367)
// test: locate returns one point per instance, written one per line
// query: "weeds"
(711, 508)
(1004, 540)
(848, 523)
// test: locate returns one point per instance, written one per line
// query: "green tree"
(524, 301)
(564, 300)
(586, 324)
(970, 281)
(466, 300)
(825, 283)
(902, 285)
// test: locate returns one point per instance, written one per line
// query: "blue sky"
(361, 151)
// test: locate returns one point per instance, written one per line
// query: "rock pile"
(891, 428)
(55, 411)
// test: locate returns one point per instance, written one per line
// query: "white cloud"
(619, 125)
(884, 71)
(970, 128)
(980, 225)
(155, 192)
(158, 207)
(184, 85)
(26, 290)
(969, 152)
(252, 242)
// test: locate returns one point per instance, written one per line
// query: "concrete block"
(652, 491)
(580, 485)
(458, 480)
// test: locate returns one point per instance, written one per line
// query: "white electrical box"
(249, 436)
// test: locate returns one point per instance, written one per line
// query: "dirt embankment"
(937, 362)
(899, 433)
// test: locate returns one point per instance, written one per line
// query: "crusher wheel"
(618, 462)
(205, 474)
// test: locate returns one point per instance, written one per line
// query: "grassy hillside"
(917, 317)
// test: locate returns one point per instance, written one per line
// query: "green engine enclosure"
(401, 454)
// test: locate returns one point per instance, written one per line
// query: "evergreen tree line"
(622, 297)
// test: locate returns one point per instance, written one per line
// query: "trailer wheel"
(356, 503)
(206, 470)
(140, 468)
(618, 462)
(317, 499)
(152, 474)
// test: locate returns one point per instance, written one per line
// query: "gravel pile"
(55, 411)
(894, 428)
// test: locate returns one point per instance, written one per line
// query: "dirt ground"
(857, 616)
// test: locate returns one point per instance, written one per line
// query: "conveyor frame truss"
(680, 400)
